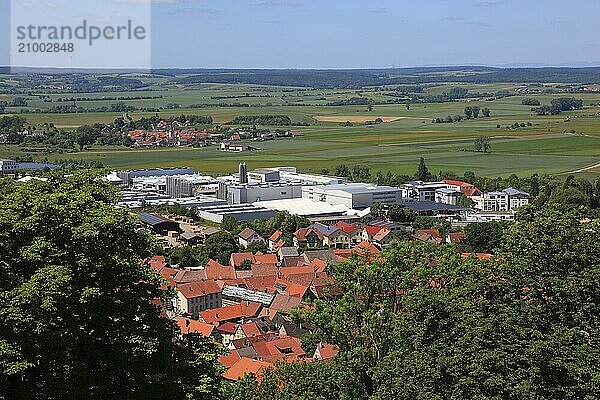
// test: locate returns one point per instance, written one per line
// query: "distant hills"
(355, 78)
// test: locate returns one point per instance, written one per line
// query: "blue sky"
(367, 34)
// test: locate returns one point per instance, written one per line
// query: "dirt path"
(594, 166)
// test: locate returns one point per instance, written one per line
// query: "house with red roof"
(383, 238)
(354, 232)
(214, 270)
(370, 231)
(428, 235)
(246, 366)
(195, 297)
(237, 259)
(286, 348)
(233, 313)
(192, 326)
(308, 238)
(325, 351)
(455, 237)
(274, 239)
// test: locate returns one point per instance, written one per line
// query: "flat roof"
(305, 207)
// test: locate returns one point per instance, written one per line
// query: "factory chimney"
(243, 176)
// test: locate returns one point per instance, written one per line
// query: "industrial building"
(127, 176)
(353, 195)
(241, 212)
(190, 185)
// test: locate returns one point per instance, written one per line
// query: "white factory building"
(353, 195)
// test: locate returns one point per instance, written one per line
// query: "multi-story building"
(8, 167)
(422, 191)
(353, 195)
(506, 200)
(195, 297)
(127, 176)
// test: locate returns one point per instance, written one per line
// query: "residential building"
(8, 167)
(448, 196)
(308, 238)
(509, 199)
(195, 297)
(249, 236)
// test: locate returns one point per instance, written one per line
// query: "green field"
(552, 144)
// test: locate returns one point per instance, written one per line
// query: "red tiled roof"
(287, 347)
(242, 274)
(326, 351)
(284, 303)
(193, 326)
(457, 183)
(318, 265)
(275, 236)
(381, 234)
(260, 283)
(227, 360)
(346, 227)
(264, 270)
(250, 329)
(456, 237)
(289, 288)
(228, 327)
(214, 270)
(198, 289)
(237, 259)
(470, 191)
(265, 258)
(244, 367)
(366, 245)
(245, 309)
(373, 230)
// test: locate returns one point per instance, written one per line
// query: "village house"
(383, 238)
(249, 236)
(308, 238)
(195, 297)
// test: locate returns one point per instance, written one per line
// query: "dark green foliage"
(280, 120)
(76, 312)
(218, 247)
(482, 144)
(422, 171)
(255, 247)
(530, 102)
(184, 257)
(483, 237)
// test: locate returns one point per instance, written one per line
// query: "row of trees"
(473, 112)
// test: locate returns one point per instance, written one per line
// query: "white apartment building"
(8, 167)
(507, 200)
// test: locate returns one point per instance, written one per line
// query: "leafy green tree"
(475, 110)
(468, 112)
(486, 112)
(77, 318)
(184, 257)
(483, 237)
(229, 224)
(255, 247)
(218, 247)
(422, 171)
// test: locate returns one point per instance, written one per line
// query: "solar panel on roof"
(151, 219)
